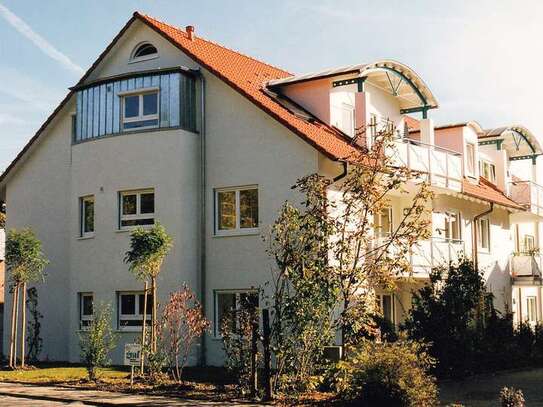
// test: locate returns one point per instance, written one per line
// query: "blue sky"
(480, 58)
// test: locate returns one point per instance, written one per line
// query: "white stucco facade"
(245, 146)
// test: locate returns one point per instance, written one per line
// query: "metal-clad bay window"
(236, 210)
(160, 99)
(130, 310)
(137, 208)
(86, 205)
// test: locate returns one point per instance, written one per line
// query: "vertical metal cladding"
(99, 107)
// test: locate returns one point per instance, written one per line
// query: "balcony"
(529, 194)
(443, 167)
(435, 252)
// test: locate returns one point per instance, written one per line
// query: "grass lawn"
(484, 390)
(54, 375)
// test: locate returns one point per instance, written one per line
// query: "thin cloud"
(38, 40)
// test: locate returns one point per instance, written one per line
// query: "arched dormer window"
(143, 52)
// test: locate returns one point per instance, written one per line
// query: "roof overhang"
(519, 142)
(392, 77)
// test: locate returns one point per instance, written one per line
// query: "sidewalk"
(101, 398)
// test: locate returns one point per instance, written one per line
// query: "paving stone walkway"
(62, 395)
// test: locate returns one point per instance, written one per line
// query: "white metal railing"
(527, 193)
(443, 166)
(435, 252)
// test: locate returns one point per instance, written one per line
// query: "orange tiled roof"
(412, 123)
(248, 76)
(487, 191)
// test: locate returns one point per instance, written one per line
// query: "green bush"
(387, 374)
(97, 341)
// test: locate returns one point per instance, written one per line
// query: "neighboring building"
(166, 126)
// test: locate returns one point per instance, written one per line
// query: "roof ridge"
(215, 43)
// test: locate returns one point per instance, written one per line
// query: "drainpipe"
(343, 173)
(475, 243)
(203, 186)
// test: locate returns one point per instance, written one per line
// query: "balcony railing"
(435, 252)
(526, 264)
(442, 166)
(529, 194)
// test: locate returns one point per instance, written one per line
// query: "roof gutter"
(474, 245)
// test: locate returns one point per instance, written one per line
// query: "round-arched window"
(144, 51)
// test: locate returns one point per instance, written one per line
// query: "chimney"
(190, 32)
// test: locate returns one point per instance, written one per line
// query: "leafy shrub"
(511, 397)
(97, 341)
(387, 374)
(236, 330)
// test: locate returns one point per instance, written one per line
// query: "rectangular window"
(130, 310)
(529, 244)
(488, 170)
(86, 310)
(137, 208)
(483, 233)
(385, 305)
(531, 309)
(382, 225)
(446, 225)
(140, 110)
(86, 215)
(229, 303)
(236, 210)
(470, 159)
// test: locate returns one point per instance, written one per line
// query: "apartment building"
(166, 126)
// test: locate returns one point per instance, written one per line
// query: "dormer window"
(143, 52)
(487, 170)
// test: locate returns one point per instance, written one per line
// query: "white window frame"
(529, 310)
(131, 317)
(380, 298)
(349, 127)
(237, 293)
(491, 170)
(480, 229)
(138, 215)
(134, 58)
(140, 117)
(238, 230)
(378, 223)
(82, 200)
(470, 155)
(85, 318)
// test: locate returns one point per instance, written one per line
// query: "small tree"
(184, 323)
(97, 341)
(148, 248)
(446, 313)
(25, 263)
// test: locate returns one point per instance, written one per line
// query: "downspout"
(474, 246)
(343, 173)
(203, 186)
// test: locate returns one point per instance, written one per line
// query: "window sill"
(131, 228)
(85, 237)
(248, 232)
(483, 251)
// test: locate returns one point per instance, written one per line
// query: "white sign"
(132, 354)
